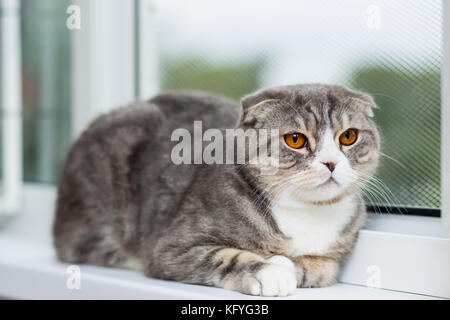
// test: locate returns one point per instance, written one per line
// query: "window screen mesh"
(391, 49)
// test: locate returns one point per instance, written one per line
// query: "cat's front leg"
(237, 270)
(249, 273)
(316, 271)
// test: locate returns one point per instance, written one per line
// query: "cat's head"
(328, 143)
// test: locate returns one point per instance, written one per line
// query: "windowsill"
(29, 270)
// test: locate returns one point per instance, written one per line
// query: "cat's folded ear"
(363, 102)
(260, 96)
(255, 105)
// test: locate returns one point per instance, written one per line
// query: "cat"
(122, 202)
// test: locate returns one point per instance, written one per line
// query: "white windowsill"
(29, 270)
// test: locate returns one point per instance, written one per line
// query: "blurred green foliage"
(231, 80)
(409, 121)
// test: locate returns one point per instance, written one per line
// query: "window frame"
(11, 103)
(129, 62)
(146, 50)
(413, 211)
(445, 123)
(103, 66)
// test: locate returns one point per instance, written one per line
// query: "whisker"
(391, 158)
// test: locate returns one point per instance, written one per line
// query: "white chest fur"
(313, 229)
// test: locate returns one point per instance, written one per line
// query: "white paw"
(276, 279)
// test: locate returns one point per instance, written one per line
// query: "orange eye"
(296, 140)
(348, 137)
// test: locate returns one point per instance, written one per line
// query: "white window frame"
(11, 107)
(104, 68)
(445, 124)
(407, 262)
(147, 50)
(103, 65)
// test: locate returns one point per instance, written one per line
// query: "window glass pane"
(391, 49)
(46, 68)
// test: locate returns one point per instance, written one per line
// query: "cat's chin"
(326, 193)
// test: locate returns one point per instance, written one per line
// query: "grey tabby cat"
(122, 201)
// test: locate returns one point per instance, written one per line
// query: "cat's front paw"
(276, 279)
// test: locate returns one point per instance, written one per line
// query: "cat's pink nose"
(330, 165)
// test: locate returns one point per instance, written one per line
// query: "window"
(391, 49)
(46, 76)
